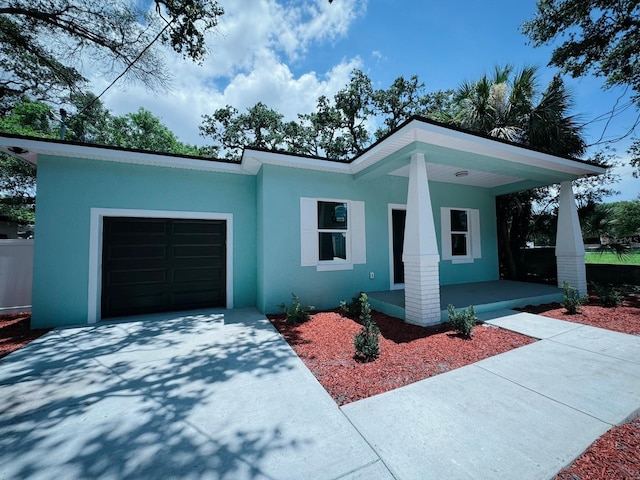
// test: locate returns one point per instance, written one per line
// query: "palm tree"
(509, 105)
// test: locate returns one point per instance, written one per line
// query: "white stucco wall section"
(16, 275)
(569, 244)
(420, 250)
(95, 248)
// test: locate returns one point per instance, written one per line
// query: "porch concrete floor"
(484, 296)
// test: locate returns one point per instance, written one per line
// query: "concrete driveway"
(221, 395)
(207, 395)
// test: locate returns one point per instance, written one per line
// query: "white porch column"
(420, 250)
(569, 243)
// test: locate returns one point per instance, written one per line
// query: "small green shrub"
(296, 313)
(352, 309)
(366, 342)
(607, 295)
(462, 321)
(572, 299)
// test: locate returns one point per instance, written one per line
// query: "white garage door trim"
(95, 247)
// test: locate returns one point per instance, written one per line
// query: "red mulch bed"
(15, 332)
(408, 353)
(624, 318)
(614, 456)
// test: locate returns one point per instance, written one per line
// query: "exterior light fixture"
(462, 173)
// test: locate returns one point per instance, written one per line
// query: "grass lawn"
(612, 259)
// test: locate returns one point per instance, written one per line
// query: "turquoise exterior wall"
(279, 230)
(457, 196)
(266, 216)
(69, 188)
(282, 188)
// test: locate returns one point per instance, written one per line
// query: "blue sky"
(287, 53)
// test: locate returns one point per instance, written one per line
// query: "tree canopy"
(597, 37)
(139, 130)
(339, 127)
(43, 42)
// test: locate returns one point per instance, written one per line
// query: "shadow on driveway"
(203, 395)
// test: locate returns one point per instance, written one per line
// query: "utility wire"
(130, 65)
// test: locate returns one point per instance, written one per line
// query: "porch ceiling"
(501, 167)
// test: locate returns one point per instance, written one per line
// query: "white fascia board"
(252, 160)
(90, 152)
(437, 135)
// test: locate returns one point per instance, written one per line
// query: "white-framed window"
(332, 233)
(460, 234)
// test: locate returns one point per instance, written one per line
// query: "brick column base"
(422, 293)
(571, 269)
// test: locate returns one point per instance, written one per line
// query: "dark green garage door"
(154, 265)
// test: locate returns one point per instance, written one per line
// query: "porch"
(484, 296)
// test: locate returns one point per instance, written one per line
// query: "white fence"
(16, 275)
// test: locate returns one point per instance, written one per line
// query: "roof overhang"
(30, 149)
(452, 155)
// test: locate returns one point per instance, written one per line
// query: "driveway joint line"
(366, 440)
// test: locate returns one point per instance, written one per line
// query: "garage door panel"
(195, 251)
(154, 265)
(198, 299)
(137, 252)
(132, 226)
(136, 305)
(197, 274)
(195, 227)
(146, 276)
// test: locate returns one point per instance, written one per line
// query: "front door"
(398, 219)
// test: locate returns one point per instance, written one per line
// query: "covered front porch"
(484, 296)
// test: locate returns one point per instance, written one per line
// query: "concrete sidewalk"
(523, 414)
(221, 395)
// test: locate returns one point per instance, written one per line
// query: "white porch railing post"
(569, 244)
(420, 250)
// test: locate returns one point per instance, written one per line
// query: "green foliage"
(572, 299)
(626, 218)
(366, 342)
(108, 37)
(296, 313)
(336, 129)
(463, 320)
(260, 127)
(508, 104)
(144, 131)
(591, 36)
(352, 309)
(607, 295)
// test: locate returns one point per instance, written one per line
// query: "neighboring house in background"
(144, 232)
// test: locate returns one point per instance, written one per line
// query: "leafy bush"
(572, 299)
(607, 295)
(352, 309)
(296, 313)
(462, 321)
(366, 342)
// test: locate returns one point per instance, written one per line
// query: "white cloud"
(248, 63)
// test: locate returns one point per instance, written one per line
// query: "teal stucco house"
(123, 232)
